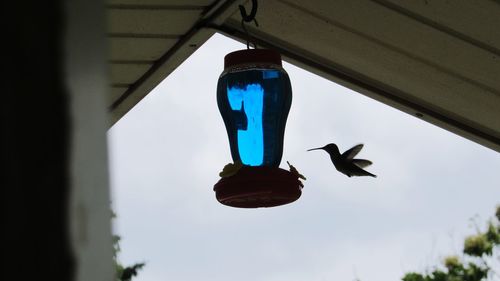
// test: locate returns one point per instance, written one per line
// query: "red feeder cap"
(254, 187)
(265, 56)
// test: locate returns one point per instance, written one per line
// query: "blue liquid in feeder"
(250, 140)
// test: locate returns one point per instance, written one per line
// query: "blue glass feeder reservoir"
(254, 96)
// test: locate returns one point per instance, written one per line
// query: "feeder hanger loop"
(248, 18)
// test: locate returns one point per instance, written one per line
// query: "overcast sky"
(167, 152)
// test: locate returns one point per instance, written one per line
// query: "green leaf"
(477, 245)
(492, 234)
(412, 276)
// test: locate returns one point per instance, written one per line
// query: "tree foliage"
(123, 273)
(475, 265)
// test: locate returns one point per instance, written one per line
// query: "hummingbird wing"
(357, 171)
(362, 163)
(349, 154)
(362, 173)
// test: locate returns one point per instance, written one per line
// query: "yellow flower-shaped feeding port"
(294, 171)
(230, 169)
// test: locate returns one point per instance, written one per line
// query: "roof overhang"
(149, 39)
(436, 60)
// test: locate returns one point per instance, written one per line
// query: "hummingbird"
(345, 162)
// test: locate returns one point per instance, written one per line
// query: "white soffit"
(148, 39)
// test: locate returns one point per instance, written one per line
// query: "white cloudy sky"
(167, 152)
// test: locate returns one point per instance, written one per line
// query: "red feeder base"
(254, 187)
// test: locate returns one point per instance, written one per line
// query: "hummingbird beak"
(315, 148)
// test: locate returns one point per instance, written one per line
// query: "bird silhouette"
(345, 162)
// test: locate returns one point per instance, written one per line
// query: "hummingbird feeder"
(254, 96)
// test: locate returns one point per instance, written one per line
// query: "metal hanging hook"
(253, 12)
(248, 18)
